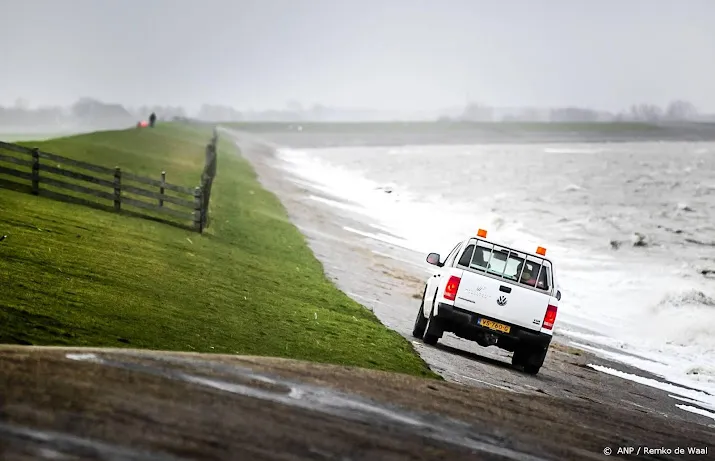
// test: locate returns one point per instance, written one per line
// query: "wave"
(573, 188)
(685, 318)
(684, 300)
(699, 242)
(561, 150)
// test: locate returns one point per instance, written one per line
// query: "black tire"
(517, 358)
(418, 331)
(532, 369)
(433, 331)
(531, 359)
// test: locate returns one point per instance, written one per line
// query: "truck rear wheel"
(530, 358)
(532, 369)
(418, 331)
(433, 331)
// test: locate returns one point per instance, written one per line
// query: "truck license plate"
(494, 325)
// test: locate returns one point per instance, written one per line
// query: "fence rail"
(193, 206)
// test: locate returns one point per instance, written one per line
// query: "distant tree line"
(85, 112)
(676, 111)
(90, 112)
(163, 113)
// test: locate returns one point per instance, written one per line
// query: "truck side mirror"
(433, 258)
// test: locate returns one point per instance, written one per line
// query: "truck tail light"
(450, 291)
(550, 317)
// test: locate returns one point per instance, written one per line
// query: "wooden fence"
(188, 204)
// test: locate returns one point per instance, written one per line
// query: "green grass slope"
(73, 275)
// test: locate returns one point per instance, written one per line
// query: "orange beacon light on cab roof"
(481, 233)
(541, 251)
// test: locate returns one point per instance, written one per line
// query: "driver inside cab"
(528, 275)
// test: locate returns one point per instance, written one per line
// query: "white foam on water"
(709, 407)
(696, 410)
(421, 223)
(572, 150)
(680, 373)
(337, 204)
(645, 310)
(694, 396)
(381, 237)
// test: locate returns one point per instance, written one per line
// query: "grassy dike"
(72, 275)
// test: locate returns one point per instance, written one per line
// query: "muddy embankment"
(130, 405)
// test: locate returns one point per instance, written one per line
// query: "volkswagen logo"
(501, 300)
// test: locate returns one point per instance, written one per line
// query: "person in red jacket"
(528, 275)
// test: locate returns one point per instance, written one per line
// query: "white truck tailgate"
(501, 300)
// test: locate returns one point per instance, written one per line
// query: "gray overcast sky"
(383, 54)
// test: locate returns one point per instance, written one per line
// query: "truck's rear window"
(509, 264)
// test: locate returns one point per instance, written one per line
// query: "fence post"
(117, 189)
(207, 177)
(206, 197)
(209, 155)
(161, 189)
(35, 171)
(198, 211)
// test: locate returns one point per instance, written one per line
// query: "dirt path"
(131, 405)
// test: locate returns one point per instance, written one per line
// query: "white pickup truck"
(494, 295)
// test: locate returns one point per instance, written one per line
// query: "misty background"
(81, 63)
